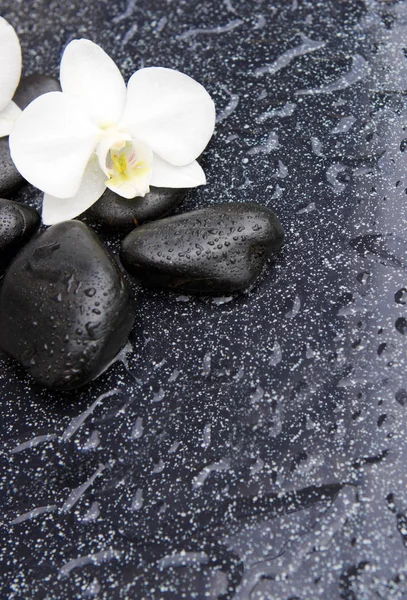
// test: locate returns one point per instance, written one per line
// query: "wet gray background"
(254, 446)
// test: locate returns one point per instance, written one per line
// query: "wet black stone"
(65, 309)
(10, 178)
(18, 223)
(112, 211)
(32, 86)
(215, 250)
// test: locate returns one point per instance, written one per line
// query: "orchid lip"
(129, 167)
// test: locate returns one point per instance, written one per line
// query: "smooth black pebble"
(216, 250)
(112, 211)
(10, 178)
(32, 86)
(65, 309)
(18, 223)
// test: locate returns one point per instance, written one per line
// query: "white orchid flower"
(97, 134)
(10, 72)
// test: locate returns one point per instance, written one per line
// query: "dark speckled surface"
(250, 447)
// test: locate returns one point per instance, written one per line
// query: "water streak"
(199, 480)
(270, 145)
(206, 435)
(212, 30)
(32, 514)
(295, 308)
(307, 45)
(359, 70)
(229, 109)
(91, 559)
(78, 492)
(158, 396)
(130, 34)
(40, 439)
(92, 513)
(138, 500)
(183, 559)
(285, 111)
(138, 429)
(344, 125)
(78, 421)
(206, 364)
(276, 356)
(127, 13)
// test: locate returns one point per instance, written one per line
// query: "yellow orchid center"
(128, 166)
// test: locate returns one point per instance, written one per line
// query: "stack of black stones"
(66, 309)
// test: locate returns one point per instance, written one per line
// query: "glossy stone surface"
(112, 212)
(65, 310)
(32, 86)
(216, 250)
(10, 178)
(18, 223)
(254, 446)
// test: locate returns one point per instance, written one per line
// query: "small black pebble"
(65, 309)
(10, 178)
(112, 211)
(18, 223)
(215, 250)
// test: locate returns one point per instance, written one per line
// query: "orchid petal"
(55, 210)
(10, 62)
(51, 144)
(8, 116)
(165, 174)
(90, 75)
(170, 112)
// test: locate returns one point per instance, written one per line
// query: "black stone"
(112, 211)
(10, 178)
(32, 86)
(18, 223)
(215, 250)
(65, 309)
